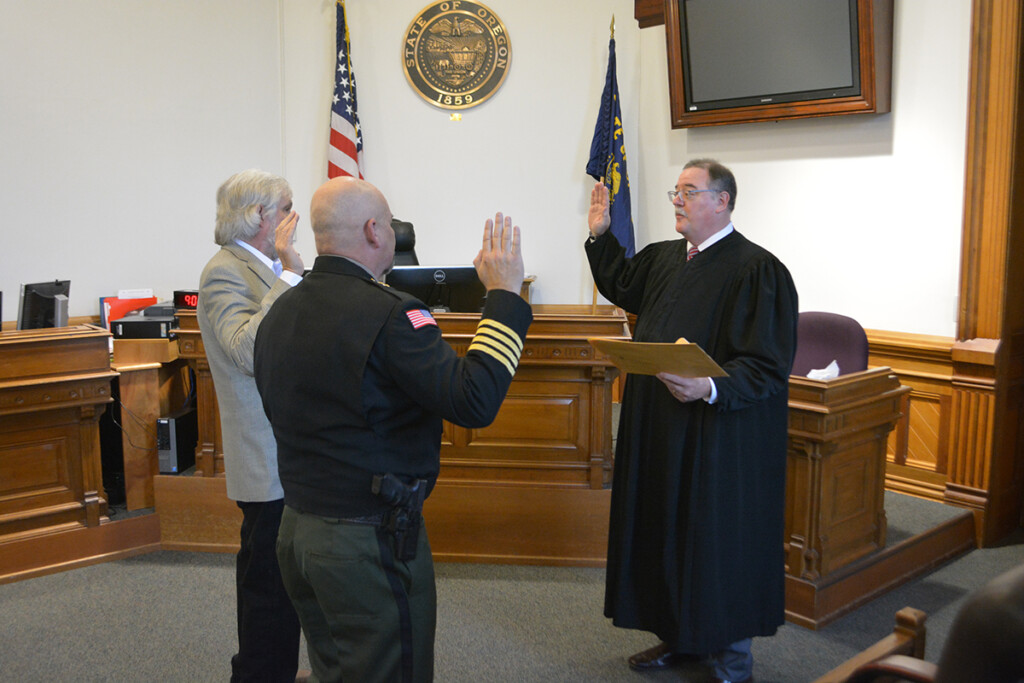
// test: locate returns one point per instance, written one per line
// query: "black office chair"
(825, 337)
(405, 243)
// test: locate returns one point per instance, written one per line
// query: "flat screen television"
(44, 304)
(455, 289)
(739, 61)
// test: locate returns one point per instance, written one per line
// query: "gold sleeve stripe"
(481, 341)
(504, 331)
(499, 342)
(494, 354)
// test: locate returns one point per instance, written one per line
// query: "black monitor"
(44, 304)
(442, 288)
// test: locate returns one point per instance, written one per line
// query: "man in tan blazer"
(257, 262)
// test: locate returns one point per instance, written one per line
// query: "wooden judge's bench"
(533, 487)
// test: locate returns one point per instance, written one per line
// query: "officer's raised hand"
(500, 261)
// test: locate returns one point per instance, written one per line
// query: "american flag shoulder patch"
(420, 317)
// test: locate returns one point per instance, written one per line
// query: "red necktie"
(691, 252)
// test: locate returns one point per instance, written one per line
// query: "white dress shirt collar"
(721, 234)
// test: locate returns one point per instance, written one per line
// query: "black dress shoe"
(659, 657)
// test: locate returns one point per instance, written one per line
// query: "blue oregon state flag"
(608, 158)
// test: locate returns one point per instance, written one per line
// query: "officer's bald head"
(341, 212)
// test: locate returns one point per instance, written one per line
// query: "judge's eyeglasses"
(688, 195)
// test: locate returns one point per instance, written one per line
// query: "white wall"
(119, 118)
(522, 152)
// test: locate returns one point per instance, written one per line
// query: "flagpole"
(593, 298)
(602, 155)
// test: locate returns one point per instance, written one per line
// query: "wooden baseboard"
(80, 546)
(550, 526)
(814, 604)
(196, 514)
(496, 524)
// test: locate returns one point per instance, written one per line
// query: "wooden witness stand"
(835, 528)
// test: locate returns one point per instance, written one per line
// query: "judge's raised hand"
(686, 389)
(500, 261)
(598, 219)
(284, 243)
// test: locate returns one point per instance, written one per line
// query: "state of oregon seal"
(456, 54)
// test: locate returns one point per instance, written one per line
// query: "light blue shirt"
(286, 275)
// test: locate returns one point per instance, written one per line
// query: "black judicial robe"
(695, 550)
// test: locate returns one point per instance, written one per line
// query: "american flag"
(345, 153)
(420, 317)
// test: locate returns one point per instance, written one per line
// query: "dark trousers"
(268, 628)
(367, 617)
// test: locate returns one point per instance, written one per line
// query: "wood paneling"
(944, 448)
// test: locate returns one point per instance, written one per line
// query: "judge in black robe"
(695, 551)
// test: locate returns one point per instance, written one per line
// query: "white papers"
(831, 371)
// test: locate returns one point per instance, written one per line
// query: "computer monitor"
(44, 304)
(442, 288)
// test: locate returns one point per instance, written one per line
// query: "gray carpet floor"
(168, 616)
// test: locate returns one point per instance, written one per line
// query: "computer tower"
(176, 438)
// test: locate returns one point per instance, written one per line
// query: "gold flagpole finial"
(612, 27)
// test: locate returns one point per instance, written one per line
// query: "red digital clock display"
(186, 298)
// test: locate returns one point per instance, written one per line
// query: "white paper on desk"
(830, 371)
(645, 358)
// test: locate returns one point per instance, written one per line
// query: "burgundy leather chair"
(824, 337)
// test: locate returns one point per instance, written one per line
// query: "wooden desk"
(54, 385)
(150, 387)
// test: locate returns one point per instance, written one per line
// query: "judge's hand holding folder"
(684, 368)
(686, 389)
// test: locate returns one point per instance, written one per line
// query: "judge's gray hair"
(722, 179)
(239, 200)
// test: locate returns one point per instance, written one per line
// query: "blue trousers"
(733, 663)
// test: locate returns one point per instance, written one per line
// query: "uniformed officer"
(356, 379)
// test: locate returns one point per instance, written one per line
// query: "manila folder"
(644, 358)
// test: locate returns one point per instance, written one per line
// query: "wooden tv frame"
(875, 47)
